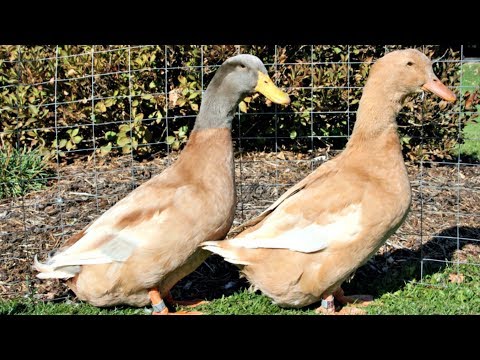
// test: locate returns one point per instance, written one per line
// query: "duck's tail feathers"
(49, 270)
(222, 248)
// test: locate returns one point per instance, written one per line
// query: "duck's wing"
(318, 175)
(137, 221)
(316, 213)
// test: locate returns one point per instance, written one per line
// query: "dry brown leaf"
(456, 278)
(471, 101)
(173, 97)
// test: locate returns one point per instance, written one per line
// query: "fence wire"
(92, 174)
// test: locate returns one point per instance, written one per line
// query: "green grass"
(471, 75)
(435, 295)
(471, 135)
(471, 131)
(36, 307)
(21, 171)
(248, 303)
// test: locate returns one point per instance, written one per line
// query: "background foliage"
(148, 104)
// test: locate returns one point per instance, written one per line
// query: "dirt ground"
(446, 206)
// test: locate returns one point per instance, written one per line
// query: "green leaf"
(109, 102)
(124, 128)
(106, 149)
(193, 95)
(123, 140)
(33, 110)
(194, 107)
(77, 139)
(182, 80)
(135, 103)
(170, 139)
(139, 116)
(74, 132)
(134, 144)
(100, 106)
(182, 131)
(110, 135)
(337, 50)
(293, 134)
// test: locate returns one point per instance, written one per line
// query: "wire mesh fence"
(107, 118)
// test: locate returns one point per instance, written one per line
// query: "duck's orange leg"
(357, 300)
(327, 306)
(159, 307)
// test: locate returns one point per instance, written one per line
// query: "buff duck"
(301, 249)
(141, 247)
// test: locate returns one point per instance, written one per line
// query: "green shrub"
(21, 171)
(471, 131)
(150, 110)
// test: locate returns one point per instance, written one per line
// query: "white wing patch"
(120, 244)
(307, 239)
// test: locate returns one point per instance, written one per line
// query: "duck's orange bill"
(436, 86)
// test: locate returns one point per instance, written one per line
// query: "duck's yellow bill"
(266, 87)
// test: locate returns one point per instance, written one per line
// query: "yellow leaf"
(101, 107)
(242, 106)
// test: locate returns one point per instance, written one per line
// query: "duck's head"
(242, 75)
(408, 71)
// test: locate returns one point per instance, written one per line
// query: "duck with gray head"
(142, 246)
(301, 249)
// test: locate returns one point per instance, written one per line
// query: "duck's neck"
(208, 156)
(217, 109)
(376, 115)
(210, 144)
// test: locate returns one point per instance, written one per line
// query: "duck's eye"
(410, 63)
(242, 66)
